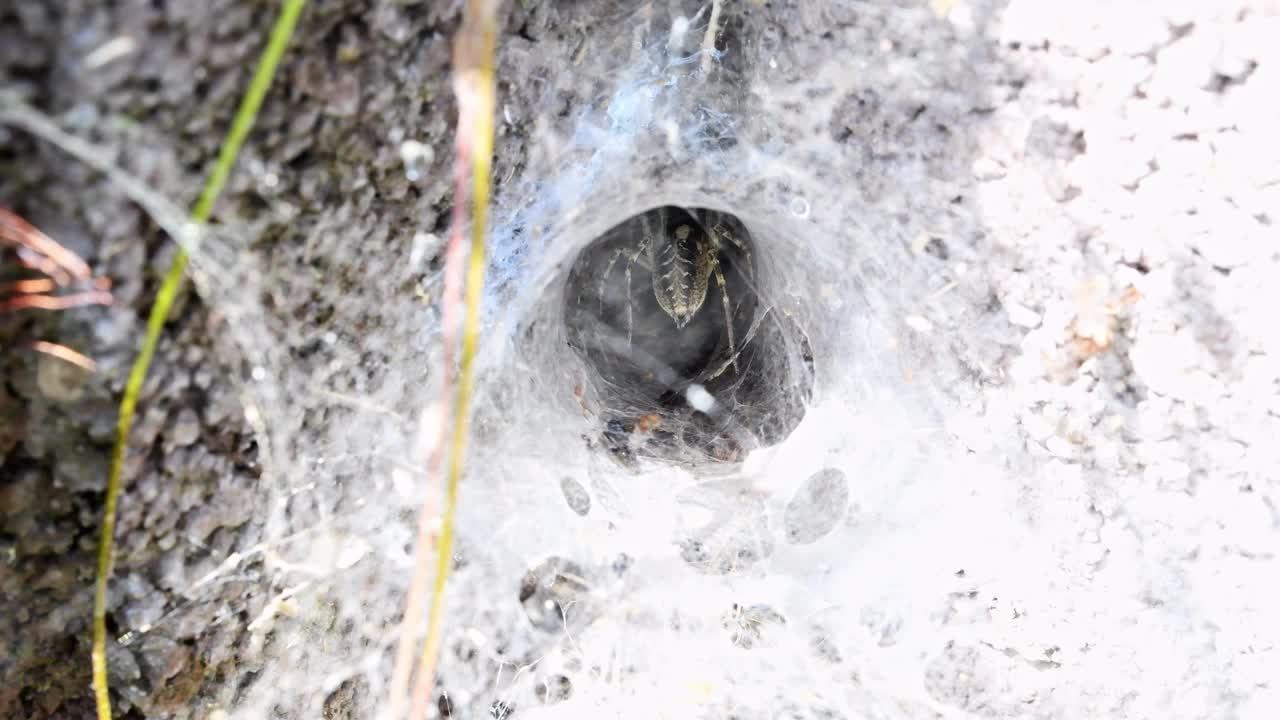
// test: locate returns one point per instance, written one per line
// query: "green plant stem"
(474, 82)
(240, 127)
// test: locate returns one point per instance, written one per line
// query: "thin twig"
(37, 285)
(15, 230)
(63, 266)
(62, 352)
(240, 127)
(474, 85)
(33, 260)
(55, 302)
(709, 39)
(452, 299)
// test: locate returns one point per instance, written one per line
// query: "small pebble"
(1022, 315)
(185, 429)
(59, 380)
(817, 507)
(577, 497)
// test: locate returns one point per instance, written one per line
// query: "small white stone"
(403, 483)
(417, 158)
(1022, 316)
(918, 323)
(425, 246)
(113, 49)
(351, 551)
(186, 428)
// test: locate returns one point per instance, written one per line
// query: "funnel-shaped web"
(810, 495)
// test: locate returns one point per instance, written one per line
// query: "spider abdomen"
(682, 259)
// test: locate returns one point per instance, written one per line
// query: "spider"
(682, 250)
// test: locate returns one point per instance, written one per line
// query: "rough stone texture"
(1093, 188)
(189, 485)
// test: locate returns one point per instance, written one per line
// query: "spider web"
(711, 560)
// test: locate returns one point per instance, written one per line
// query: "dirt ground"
(1089, 190)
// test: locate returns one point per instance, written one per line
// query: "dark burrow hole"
(690, 363)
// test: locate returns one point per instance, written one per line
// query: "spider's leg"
(742, 247)
(728, 313)
(631, 260)
(604, 276)
(630, 324)
(717, 228)
(751, 333)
